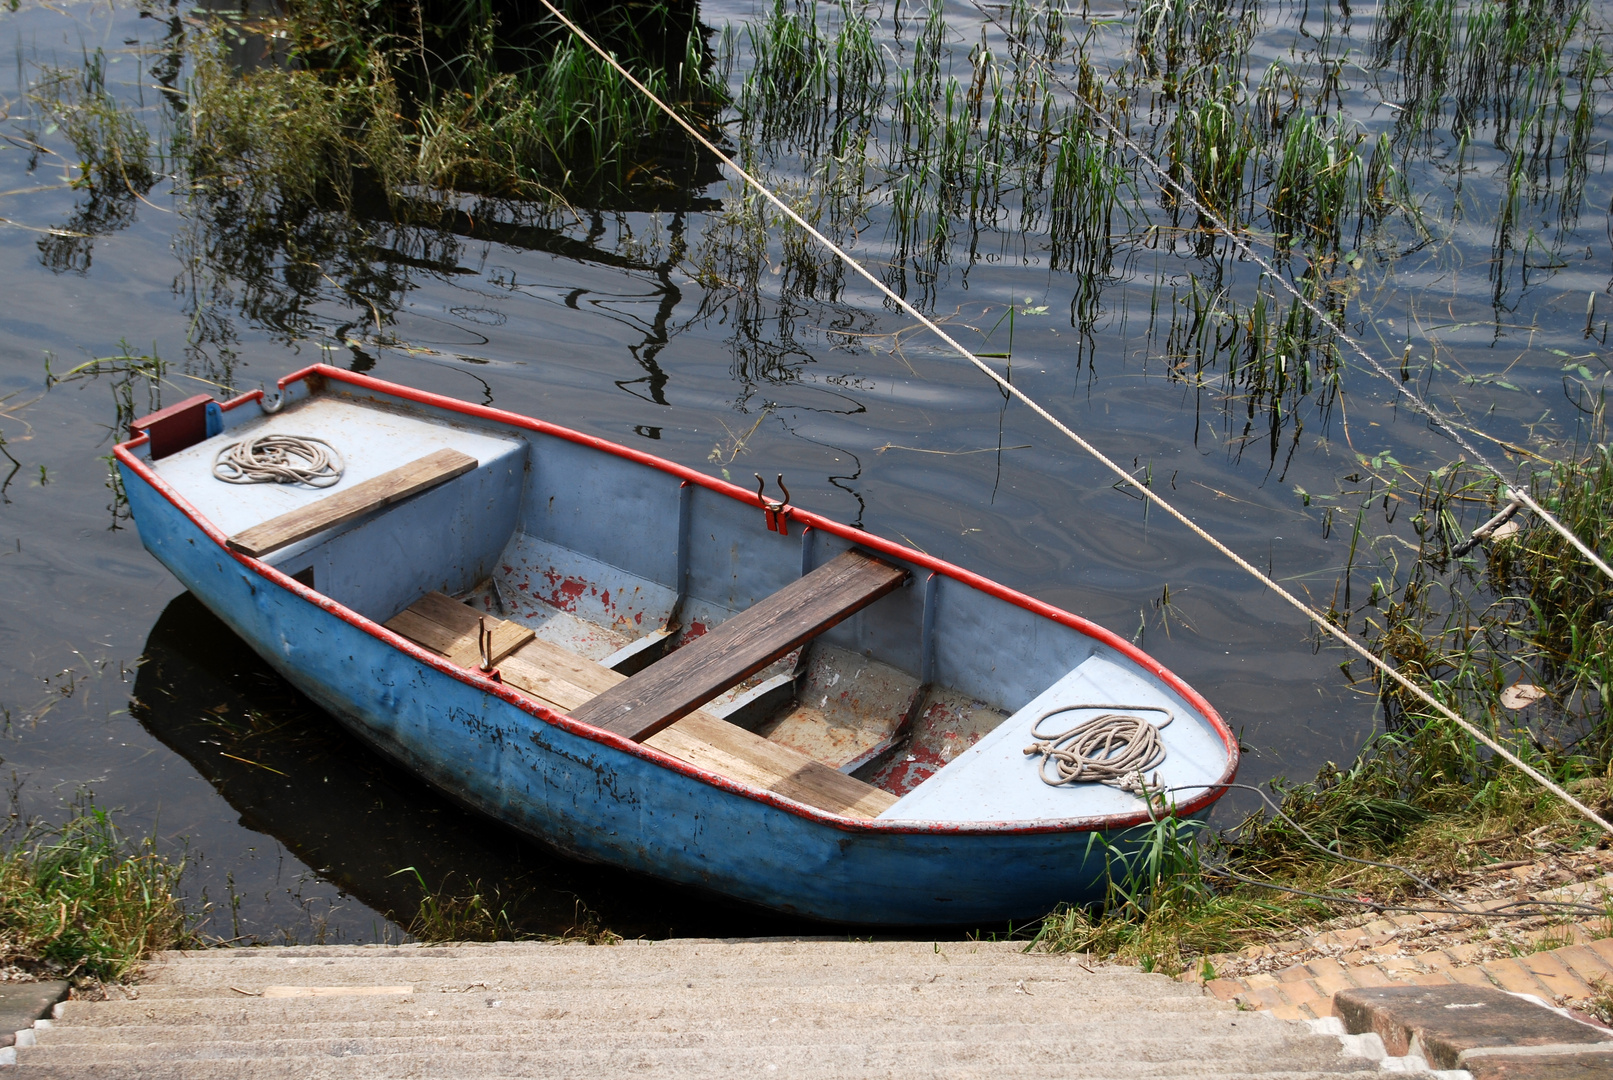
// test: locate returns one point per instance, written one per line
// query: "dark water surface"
(114, 682)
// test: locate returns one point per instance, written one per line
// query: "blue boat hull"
(602, 803)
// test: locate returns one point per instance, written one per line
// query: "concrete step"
(836, 951)
(806, 1010)
(1048, 1043)
(359, 1069)
(601, 959)
(681, 1056)
(1140, 1029)
(584, 999)
(824, 981)
(673, 985)
(797, 1008)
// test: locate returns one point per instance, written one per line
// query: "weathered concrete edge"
(1548, 1050)
(23, 1003)
(1391, 1013)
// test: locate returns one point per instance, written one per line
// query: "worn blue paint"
(629, 806)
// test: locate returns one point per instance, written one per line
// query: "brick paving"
(1565, 964)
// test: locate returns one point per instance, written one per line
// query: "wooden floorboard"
(360, 499)
(738, 648)
(702, 739)
(444, 625)
(723, 748)
(566, 682)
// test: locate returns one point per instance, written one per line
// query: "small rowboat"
(644, 666)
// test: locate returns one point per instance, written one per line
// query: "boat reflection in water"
(292, 773)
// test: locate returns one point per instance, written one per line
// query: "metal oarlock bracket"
(484, 644)
(777, 520)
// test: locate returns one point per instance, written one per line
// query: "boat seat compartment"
(565, 682)
(353, 502)
(737, 648)
(178, 426)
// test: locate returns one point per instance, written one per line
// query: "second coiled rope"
(1115, 748)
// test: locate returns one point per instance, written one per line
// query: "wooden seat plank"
(674, 686)
(444, 625)
(360, 499)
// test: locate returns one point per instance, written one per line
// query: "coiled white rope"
(1114, 748)
(279, 459)
(1322, 622)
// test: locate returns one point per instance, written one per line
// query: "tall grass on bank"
(82, 899)
(1423, 794)
(1160, 908)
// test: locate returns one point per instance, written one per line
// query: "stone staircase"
(683, 1008)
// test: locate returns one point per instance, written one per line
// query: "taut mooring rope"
(1147, 492)
(279, 459)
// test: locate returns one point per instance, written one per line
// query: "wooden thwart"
(561, 680)
(444, 625)
(360, 499)
(741, 646)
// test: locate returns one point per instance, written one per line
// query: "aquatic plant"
(472, 913)
(447, 915)
(79, 898)
(116, 159)
(115, 149)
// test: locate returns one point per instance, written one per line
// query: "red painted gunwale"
(124, 453)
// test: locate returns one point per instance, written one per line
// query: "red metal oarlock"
(777, 520)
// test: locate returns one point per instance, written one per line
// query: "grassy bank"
(82, 900)
(1513, 635)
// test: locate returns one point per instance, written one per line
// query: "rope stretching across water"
(1147, 493)
(1408, 392)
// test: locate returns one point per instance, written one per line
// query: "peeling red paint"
(566, 594)
(909, 771)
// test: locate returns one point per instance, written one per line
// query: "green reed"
(81, 899)
(1423, 794)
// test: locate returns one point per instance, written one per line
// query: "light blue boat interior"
(596, 551)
